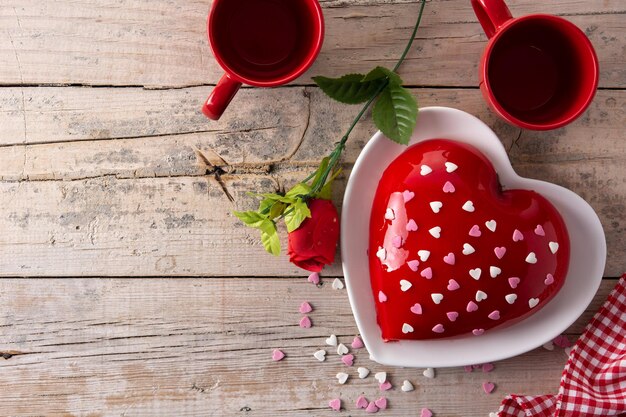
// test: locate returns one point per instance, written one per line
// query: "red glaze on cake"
(452, 253)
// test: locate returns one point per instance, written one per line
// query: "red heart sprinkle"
(305, 322)
(314, 278)
(371, 408)
(335, 404)
(500, 251)
(357, 343)
(426, 413)
(475, 231)
(305, 307)
(452, 315)
(277, 355)
(488, 367)
(348, 360)
(385, 386)
(361, 402)
(416, 308)
(471, 306)
(381, 403)
(514, 282)
(449, 259)
(488, 387)
(549, 279)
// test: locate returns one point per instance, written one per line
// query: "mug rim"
(286, 78)
(495, 104)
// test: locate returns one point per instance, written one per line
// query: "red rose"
(313, 244)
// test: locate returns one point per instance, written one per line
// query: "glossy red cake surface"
(452, 253)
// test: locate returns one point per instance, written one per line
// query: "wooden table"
(130, 289)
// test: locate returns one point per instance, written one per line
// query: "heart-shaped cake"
(451, 252)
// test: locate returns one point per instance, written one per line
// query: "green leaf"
(326, 192)
(295, 215)
(250, 218)
(382, 72)
(320, 171)
(269, 237)
(298, 190)
(395, 113)
(274, 197)
(349, 89)
(271, 208)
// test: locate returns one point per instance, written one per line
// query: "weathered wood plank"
(162, 43)
(201, 347)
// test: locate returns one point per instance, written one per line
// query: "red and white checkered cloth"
(594, 379)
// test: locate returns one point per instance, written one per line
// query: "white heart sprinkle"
(423, 254)
(407, 386)
(491, 225)
(532, 303)
(468, 206)
(436, 206)
(381, 254)
(436, 297)
(435, 232)
(510, 298)
(553, 247)
(320, 355)
(342, 349)
(337, 284)
(468, 249)
(342, 377)
(381, 377)
(481, 295)
(531, 258)
(548, 346)
(475, 273)
(451, 166)
(389, 214)
(363, 372)
(331, 340)
(494, 271)
(429, 373)
(405, 285)
(425, 170)
(406, 328)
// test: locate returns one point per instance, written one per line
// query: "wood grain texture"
(161, 43)
(202, 347)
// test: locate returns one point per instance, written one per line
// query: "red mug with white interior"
(263, 43)
(538, 71)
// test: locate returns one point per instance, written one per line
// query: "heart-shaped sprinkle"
(471, 307)
(468, 206)
(426, 413)
(314, 278)
(335, 404)
(437, 297)
(381, 403)
(405, 285)
(342, 349)
(549, 279)
(411, 226)
(452, 315)
(408, 195)
(385, 386)
(337, 284)
(562, 341)
(468, 368)
(427, 273)
(439, 328)
(305, 308)
(488, 367)
(425, 170)
(371, 408)
(407, 386)
(532, 303)
(468, 249)
(413, 265)
(416, 308)
(514, 282)
(363, 372)
(491, 225)
(423, 254)
(539, 230)
(494, 315)
(510, 298)
(453, 285)
(361, 402)
(381, 254)
(448, 187)
(389, 214)
(494, 271)
(357, 343)
(488, 387)
(450, 167)
(475, 273)
(554, 246)
(531, 258)
(475, 231)
(342, 377)
(396, 241)
(478, 332)
(517, 236)
(382, 297)
(548, 346)
(429, 373)
(407, 328)
(380, 377)
(435, 206)
(499, 251)
(435, 232)
(449, 258)
(481, 295)
(331, 340)
(320, 355)
(348, 360)
(305, 322)
(277, 355)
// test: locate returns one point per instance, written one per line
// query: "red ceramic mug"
(264, 43)
(538, 71)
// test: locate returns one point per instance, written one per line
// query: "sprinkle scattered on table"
(278, 355)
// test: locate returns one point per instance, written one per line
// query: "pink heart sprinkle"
(277, 355)
(371, 408)
(478, 332)
(382, 297)
(381, 403)
(494, 315)
(357, 343)
(539, 230)
(549, 279)
(411, 226)
(453, 285)
(517, 236)
(562, 341)
(408, 195)
(335, 404)
(426, 413)
(475, 231)
(396, 241)
(476, 366)
(314, 278)
(413, 264)
(361, 402)
(427, 273)
(305, 308)
(449, 259)
(488, 387)
(439, 328)
(348, 360)
(305, 322)
(514, 282)
(416, 308)
(452, 315)
(500, 251)
(468, 368)
(471, 306)
(385, 386)
(448, 187)
(488, 367)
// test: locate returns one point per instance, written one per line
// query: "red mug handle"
(492, 14)
(220, 97)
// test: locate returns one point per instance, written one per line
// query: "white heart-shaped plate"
(587, 259)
